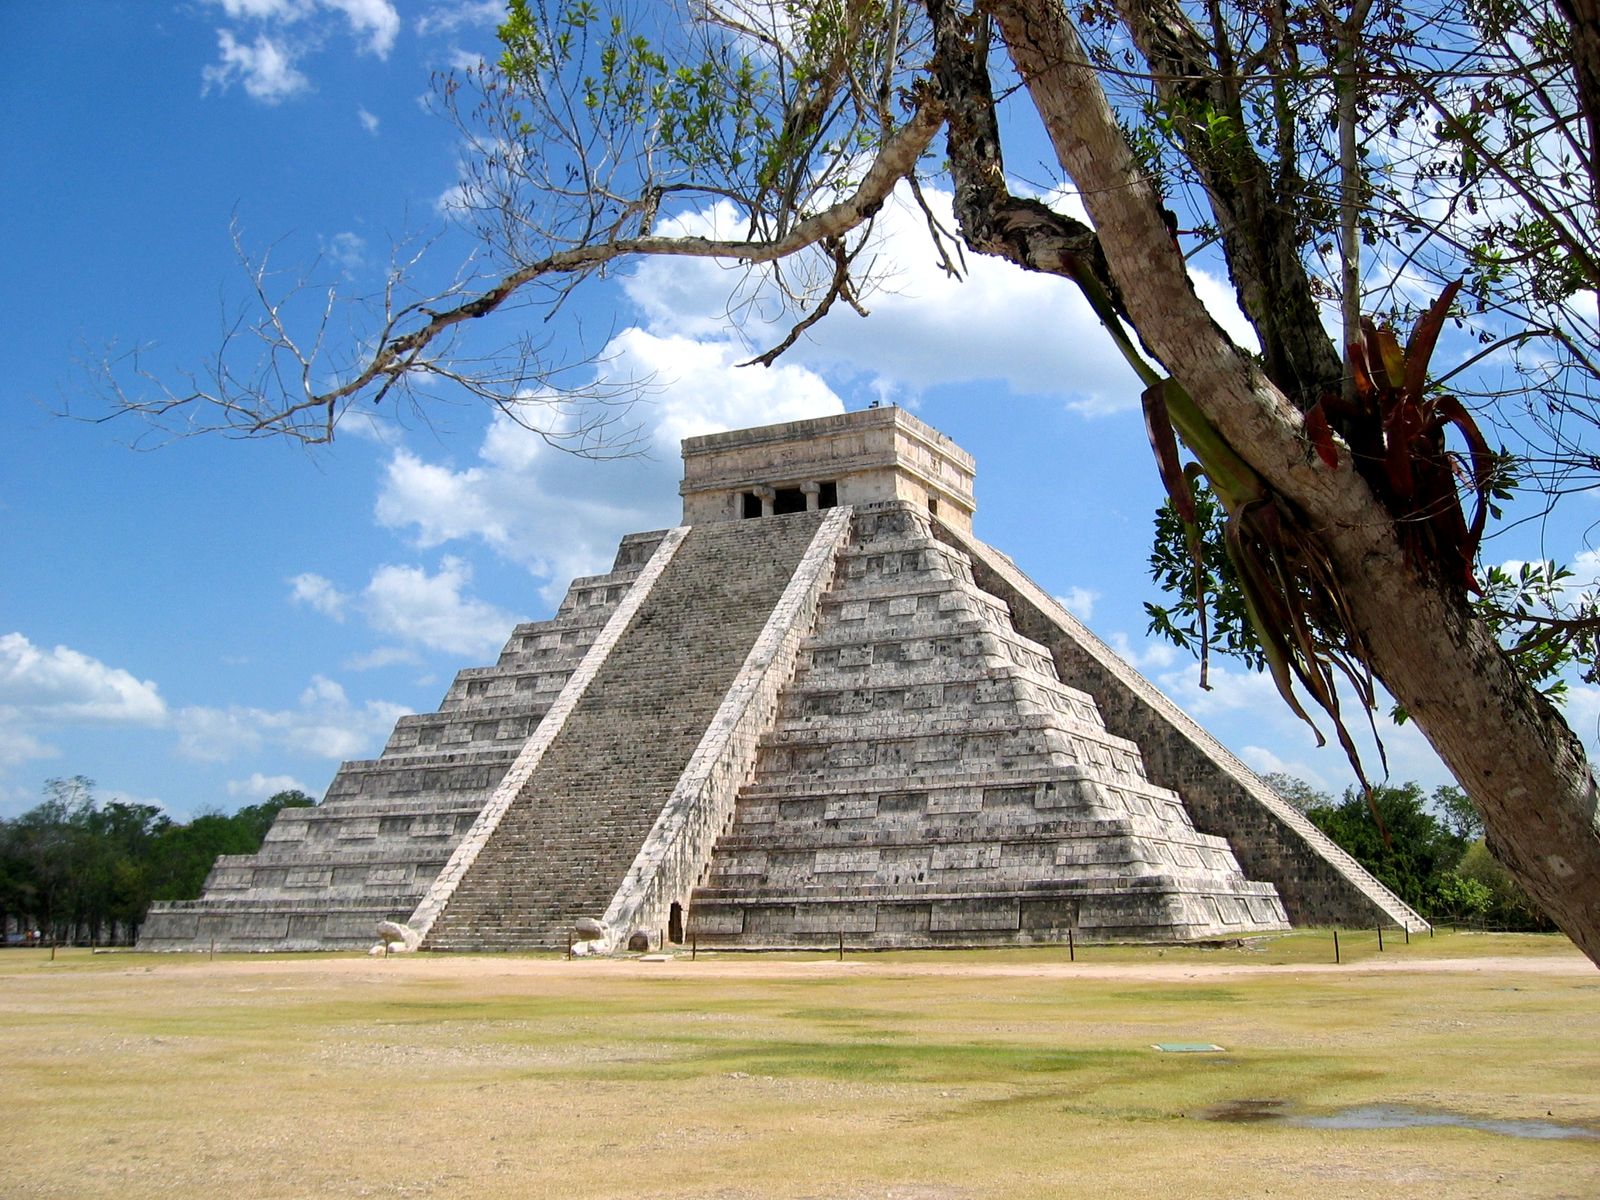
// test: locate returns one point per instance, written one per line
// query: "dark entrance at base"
(675, 923)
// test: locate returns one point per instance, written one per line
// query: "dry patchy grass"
(941, 1076)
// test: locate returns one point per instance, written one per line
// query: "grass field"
(935, 1076)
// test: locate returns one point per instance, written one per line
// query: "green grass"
(938, 1076)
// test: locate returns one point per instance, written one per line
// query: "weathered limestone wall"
(1319, 883)
(929, 781)
(873, 455)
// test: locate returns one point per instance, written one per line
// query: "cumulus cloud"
(383, 656)
(417, 609)
(434, 611)
(559, 516)
(369, 122)
(1079, 601)
(261, 787)
(376, 21)
(18, 746)
(267, 65)
(1264, 761)
(349, 250)
(324, 724)
(926, 328)
(451, 15)
(1242, 708)
(318, 593)
(62, 684)
(264, 67)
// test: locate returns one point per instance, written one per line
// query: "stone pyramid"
(818, 708)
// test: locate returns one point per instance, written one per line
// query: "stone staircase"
(325, 876)
(930, 781)
(562, 848)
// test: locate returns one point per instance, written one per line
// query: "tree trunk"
(1504, 742)
(1260, 230)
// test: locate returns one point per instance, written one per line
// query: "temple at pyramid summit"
(819, 708)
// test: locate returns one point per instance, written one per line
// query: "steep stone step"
(562, 848)
(927, 768)
(408, 807)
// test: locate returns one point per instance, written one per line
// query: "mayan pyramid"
(819, 708)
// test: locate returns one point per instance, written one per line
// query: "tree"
(1393, 834)
(86, 871)
(1259, 119)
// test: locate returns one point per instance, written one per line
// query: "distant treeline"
(82, 870)
(1428, 850)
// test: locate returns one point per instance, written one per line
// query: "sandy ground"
(881, 1077)
(719, 966)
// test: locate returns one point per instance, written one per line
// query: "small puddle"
(1390, 1116)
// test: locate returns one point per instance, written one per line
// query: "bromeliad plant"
(1275, 576)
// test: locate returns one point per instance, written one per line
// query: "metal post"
(841, 945)
(1380, 937)
(213, 948)
(1072, 950)
(694, 946)
(569, 946)
(1335, 945)
(1407, 929)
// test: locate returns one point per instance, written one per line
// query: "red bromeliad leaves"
(1321, 436)
(1158, 426)
(1396, 432)
(1419, 350)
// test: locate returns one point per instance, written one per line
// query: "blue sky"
(200, 623)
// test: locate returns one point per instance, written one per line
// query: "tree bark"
(1261, 236)
(1509, 748)
(1583, 16)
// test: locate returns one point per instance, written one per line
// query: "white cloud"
(454, 14)
(324, 724)
(263, 10)
(260, 787)
(18, 746)
(1032, 332)
(268, 66)
(219, 734)
(433, 611)
(369, 122)
(560, 516)
(1243, 708)
(349, 250)
(63, 684)
(384, 656)
(1580, 707)
(375, 20)
(320, 594)
(1148, 656)
(1079, 601)
(265, 67)
(1263, 761)
(1223, 304)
